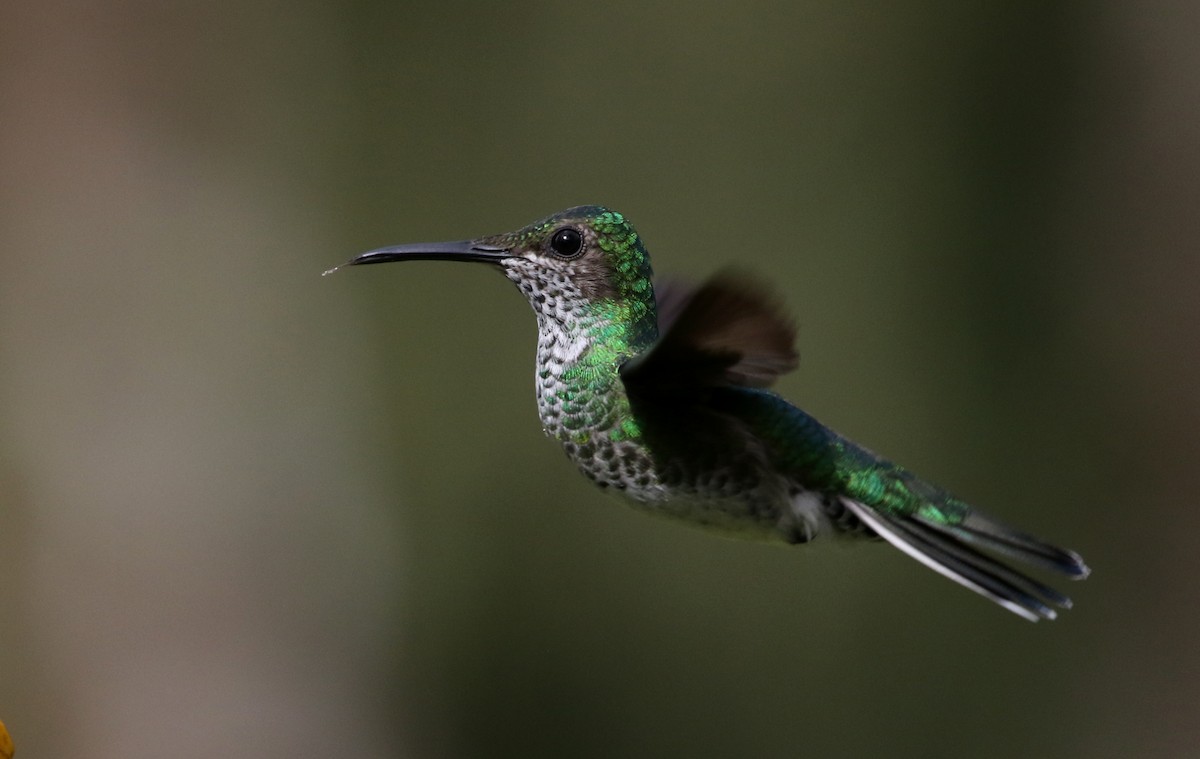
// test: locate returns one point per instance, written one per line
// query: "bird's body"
(662, 397)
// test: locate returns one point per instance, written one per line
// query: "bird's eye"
(567, 242)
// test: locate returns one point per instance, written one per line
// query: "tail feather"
(1000, 574)
(992, 535)
(950, 553)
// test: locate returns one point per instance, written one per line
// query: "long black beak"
(464, 250)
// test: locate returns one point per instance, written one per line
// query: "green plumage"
(661, 395)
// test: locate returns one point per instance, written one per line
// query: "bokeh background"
(249, 511)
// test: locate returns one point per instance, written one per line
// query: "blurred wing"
(671, 294)
(728, 331)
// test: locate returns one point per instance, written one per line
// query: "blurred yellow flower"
(6, 747)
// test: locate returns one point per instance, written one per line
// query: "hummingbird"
(660, 392)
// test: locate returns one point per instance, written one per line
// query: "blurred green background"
(249, 511)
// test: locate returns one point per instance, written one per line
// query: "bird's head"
(575, 263)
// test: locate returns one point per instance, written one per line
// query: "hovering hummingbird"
(661, 394)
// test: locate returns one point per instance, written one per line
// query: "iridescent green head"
(576, 263)
(598, 249)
